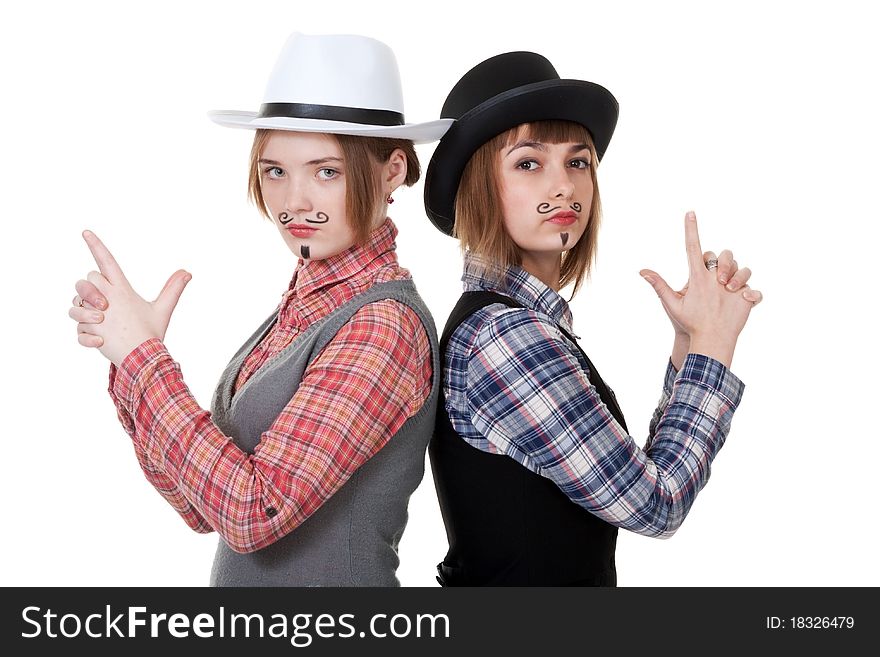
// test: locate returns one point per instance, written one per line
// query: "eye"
(327, 174)
(274, 172)
(527, 165)
(579, 163)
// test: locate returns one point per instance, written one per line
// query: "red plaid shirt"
(342, 413)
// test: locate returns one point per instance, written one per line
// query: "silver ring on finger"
(81, 302)
(712, 263)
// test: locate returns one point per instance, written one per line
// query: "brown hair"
(479, 223)
(363, 190)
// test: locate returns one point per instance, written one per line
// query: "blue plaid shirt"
(515, 385)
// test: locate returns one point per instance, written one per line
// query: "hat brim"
(580, 101)
(419, 133)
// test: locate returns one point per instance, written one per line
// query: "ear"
(394, 170)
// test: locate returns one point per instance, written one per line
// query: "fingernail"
(723, 279)
(187, 278)
(99, 304)
(690, 215)
(97, 318)
(648, 278)
(732, 286)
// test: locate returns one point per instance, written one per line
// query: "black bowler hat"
(496, 95)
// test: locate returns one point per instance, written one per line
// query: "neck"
(543, 266)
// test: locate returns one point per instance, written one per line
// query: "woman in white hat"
(555, 471)
(318, 428)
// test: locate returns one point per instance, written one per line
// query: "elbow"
(661, 518)
(673, 518)
(661, 532)
(667, 533)
(241, 548)
(242, 543)
(246, 542)
(262, 533)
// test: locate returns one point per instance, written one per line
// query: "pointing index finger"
(692, 243)
(106, 262)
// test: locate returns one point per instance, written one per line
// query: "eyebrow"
(323, 160)
(309, 163)
(527, 143)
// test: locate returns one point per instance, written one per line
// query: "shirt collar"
(356, 261)
(515, 282)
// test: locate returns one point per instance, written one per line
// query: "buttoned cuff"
(710, 373)
(128, 380)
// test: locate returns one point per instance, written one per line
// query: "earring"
(389, 200)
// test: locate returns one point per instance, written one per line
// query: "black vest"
(506, 525)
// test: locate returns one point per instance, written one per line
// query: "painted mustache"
(320, 218)
(546, 208)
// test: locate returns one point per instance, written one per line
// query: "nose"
(296, 197)
(561, 184)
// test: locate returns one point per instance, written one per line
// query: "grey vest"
(352, 539)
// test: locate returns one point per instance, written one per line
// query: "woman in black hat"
(306, 461)
(533, 463)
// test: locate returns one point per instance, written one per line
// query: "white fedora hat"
(337, 83)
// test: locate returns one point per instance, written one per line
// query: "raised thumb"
(667, 294)
(167, 300)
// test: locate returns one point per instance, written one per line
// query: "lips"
(563, 218)
(301, 230)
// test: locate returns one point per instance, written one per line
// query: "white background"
(762, 117)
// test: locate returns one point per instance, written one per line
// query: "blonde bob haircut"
(362, 156)
(479, 224)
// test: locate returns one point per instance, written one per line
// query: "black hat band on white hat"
(331, 113)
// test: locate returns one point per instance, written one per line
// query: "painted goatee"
(564, 237)
(304, 250)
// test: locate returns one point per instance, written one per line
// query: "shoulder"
(515, 329)
(388, 322)
(388, 312)
(515, 345)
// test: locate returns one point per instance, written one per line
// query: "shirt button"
(271, 512)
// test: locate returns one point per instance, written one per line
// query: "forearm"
(177, 444)
(156, 477)
(651, 492)
(687, 438)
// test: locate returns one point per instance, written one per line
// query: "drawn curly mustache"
(545, 208)
(320, 218)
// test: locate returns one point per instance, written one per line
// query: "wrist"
(714, 347)
(680, 349)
